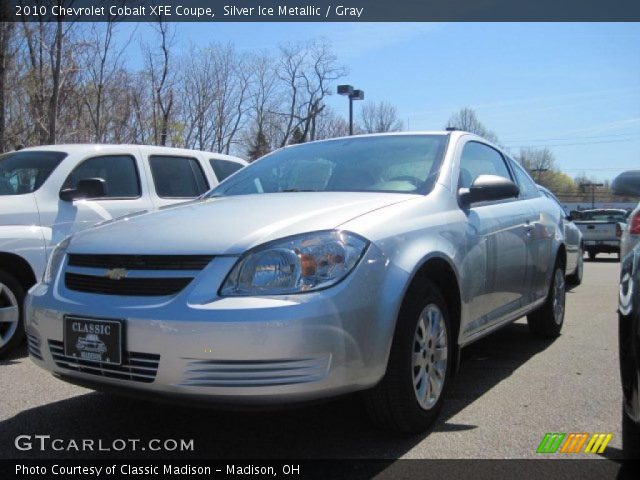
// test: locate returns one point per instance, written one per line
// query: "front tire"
(409, 397)
(11, 317)
(546, 321)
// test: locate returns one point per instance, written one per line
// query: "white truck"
(601, 230)
(48, 193)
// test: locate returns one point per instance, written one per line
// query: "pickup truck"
(48, 193)
(601, 230)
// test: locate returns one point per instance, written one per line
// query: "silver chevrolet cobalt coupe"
(355, 264)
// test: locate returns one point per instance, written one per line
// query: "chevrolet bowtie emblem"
(116, 273)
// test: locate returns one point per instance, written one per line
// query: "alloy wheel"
(9, 314)
(559, 295)
(429, 362)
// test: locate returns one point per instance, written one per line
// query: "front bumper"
(244, 350)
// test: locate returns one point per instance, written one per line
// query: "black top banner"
(322, 10)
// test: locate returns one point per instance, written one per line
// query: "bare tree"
(158, 63)
(308, 72)
(48, 48)
(541, 165)
(467, 120)
(6, 56)
(198, 97)
(101, 61)
(330, 125)
(380, 117)
(231, 84)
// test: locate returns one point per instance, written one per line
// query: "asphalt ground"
(511, 389)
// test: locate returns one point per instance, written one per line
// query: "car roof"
(453, 134)
(106, 147)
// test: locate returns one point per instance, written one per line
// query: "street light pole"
(593, 191)
(353, 94)
(350, 115)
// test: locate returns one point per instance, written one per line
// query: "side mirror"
(86, 188)
(486, 188)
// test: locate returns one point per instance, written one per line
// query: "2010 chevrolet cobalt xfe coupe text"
(354, 264)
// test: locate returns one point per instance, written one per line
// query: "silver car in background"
(572, 239)
(354, 264)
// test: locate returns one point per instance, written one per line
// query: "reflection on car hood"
(230, 225)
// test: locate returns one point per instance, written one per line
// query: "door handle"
(529, 227)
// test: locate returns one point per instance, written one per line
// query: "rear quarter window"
(177, 177)
(224, 168)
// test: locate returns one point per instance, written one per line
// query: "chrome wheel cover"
(558, 296)
(9, 314)
(429, 360)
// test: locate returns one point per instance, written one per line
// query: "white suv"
(48, 193)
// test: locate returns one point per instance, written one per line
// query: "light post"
(593, 191)
(353, 95)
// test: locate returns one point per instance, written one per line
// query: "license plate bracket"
(93, 339)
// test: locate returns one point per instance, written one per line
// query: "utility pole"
(593, 191)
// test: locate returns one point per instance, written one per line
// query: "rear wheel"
(576, 277)
(409, 397)
(546, 321)
(592, 255)
(11, 322)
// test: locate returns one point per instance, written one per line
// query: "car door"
(498, 260)
(124, 194)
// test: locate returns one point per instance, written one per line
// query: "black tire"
(630, 437)
(393, 403)
(575, 278)
(17, 291)
(543, 321)
(592, 255)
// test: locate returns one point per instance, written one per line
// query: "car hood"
(230, 225)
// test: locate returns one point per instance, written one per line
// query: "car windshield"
(604, 216)
(388, 163)
(26, 171)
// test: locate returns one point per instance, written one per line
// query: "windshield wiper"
(297, 190)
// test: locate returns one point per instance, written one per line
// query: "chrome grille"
(136, 366)
(254, 373)
(132, 275)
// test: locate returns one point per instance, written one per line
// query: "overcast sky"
(572, 87)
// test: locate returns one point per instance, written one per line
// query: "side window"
(224, 168)
(118, 171)
(177, 177)
(528, 188)
(479, 159)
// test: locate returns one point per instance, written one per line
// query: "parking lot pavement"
(510, 391)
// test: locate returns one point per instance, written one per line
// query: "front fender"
(27, 242)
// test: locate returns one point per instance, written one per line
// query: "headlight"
(57, 256)
(298, 264)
